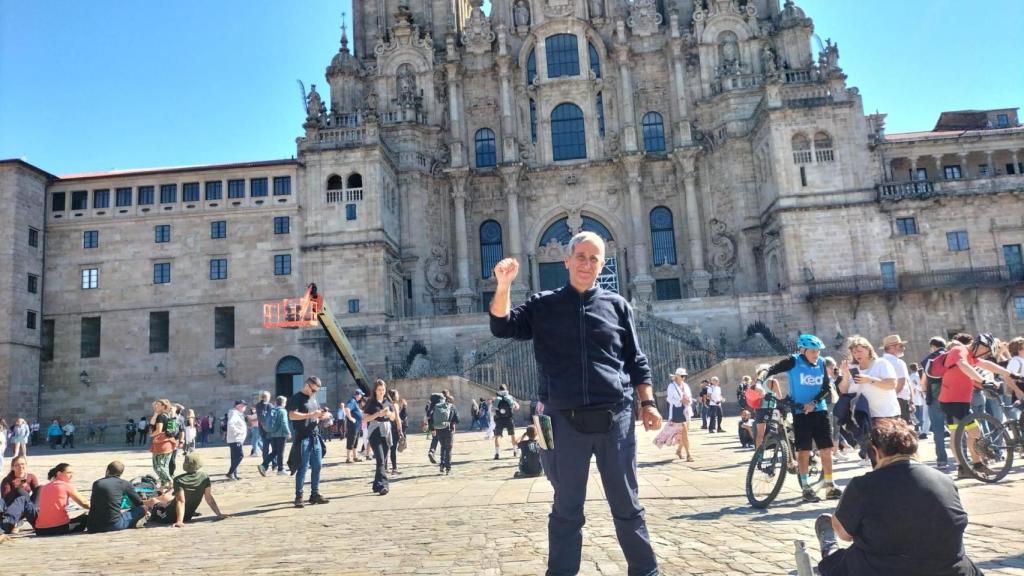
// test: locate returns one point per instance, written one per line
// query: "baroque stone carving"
(521, 13)
(644, 17)
(437, 270)
(724, 257)
(316, 111)
(597, 8)
(559, 8)
(478, 35)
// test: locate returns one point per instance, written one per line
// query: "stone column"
(1016, 162)
(965, 169)
(628, 114)
(686, 170)
(509, 151)
(991, 165)
(939, 174)
(913, 169)
(643, 283)
(458, 149)
(510, 175)
(682, 131)
(464, 294)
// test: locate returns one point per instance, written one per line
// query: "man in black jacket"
(108, 493)
(591, 369)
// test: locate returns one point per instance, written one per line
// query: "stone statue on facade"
(597, 8)
(522, 13)
(769, 64)
(315, 108)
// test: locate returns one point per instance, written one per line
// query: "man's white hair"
(585, 237)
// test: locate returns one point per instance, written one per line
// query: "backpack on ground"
(441, 416)
(503, 409)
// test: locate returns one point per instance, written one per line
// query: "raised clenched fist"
(506, 271)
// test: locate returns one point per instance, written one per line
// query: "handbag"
(401, 443)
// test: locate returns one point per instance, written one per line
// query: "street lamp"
(83, 377)
(222, 369)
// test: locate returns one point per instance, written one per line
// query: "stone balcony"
(954, 278)
(925, 189)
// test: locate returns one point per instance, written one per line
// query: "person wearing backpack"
(443, 419)
(741, 393)
(163, 441)
(505, 407)
(435, 399)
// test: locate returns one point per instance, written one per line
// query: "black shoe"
(383, 492)
(318, 499)
(497, 456)
(826, 534)
(430, 455)
(810, 496)
(262, 470)
(298, 502)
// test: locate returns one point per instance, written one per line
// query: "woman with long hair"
(52, 518)
(19, 438)
(872, 377)
(162, 444)
(379, 415)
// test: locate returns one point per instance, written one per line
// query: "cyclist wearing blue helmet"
(809, 385)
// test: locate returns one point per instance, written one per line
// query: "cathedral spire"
(344, 34)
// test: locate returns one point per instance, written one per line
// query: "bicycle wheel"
(993, 446)
(767, 471)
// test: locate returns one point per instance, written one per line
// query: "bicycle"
(774, 459)
(995, 444)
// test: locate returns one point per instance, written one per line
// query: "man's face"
(812, 355)
(896, 350)
(585, 263)
(981, 351)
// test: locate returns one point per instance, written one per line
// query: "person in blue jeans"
(936, 417)
(591, 371)
(305, 413)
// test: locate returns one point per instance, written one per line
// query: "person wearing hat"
(236, 436)
(893, 348)
(680, 399)
(190, 489)
(809, 385)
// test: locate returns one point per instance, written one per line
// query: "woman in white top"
(871, 377)
(679, 400)
(917, 396)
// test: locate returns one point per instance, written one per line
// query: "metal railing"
(916, 281)
(921, 189)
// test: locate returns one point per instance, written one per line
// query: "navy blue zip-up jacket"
(585, 344)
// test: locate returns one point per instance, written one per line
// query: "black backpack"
(741, 396)
(503, 408)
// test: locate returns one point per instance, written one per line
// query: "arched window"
(334, 182)
(354, 180)
(533, 121)
(663, 239)
(595, 60)
(823, 147)
(485, 151)
(531, 67)
(490, 247)
(568, 138)
(354, 187)
(334, 187)
(563, 55)
(600, 115)
(560, 232)
(654, 132)
(801, 149)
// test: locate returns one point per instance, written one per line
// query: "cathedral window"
(595, 60)
(600, 115)
(533, 121)
(485, 150)
(531, 67)
(663, 239)
(490, 247)
(563, 55)
(568, 137)
(334, 189)
(353, 189)
(823, 147)
(654, 132)
(801, 149)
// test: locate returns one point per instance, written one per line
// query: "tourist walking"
(379, 415)
(680, 400)
(143, 428)
(236, 437)
(399, 427)
(505, 408)
(591, 372)
(933, 386)
(715, 400)
(278, 432)
(445, 418)
(304, 414)
(20, 435)
(162, 441)
(353, 425)
(129, 432)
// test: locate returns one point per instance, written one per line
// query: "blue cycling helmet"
(810, 341)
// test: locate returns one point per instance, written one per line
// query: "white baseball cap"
(680, 372)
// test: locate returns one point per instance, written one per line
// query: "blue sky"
(114, 84)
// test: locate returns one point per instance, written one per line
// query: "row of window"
(956, 241)
(954, 172)
(162, 272)
(190, 192)
(162, 232)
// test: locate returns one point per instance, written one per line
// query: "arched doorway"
(289, 376)
(551, 272)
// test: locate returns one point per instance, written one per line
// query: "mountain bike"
(776, 457)
(995, 444)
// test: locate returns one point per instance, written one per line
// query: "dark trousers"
(433, 442)
(380, 455)
(129, 438)
(69, 439)
(905, 410)
(142, 437)
(568, 467)
(745, 437)
(54, 442)
(393, 450)
(22, 507)
(835, 565)
(236, 457)
(274, 455)
(703, 416)
(445, 438)
(172, 465)
(715, 418)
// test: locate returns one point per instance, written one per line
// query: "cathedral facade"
(714, 145)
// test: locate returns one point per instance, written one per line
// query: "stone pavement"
(480, 521)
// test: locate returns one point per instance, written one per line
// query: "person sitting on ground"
(903, 517)
(190, 489)
(17, 490)
(52, 518)
(108, 501)
(529, 454)
(746, 429)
